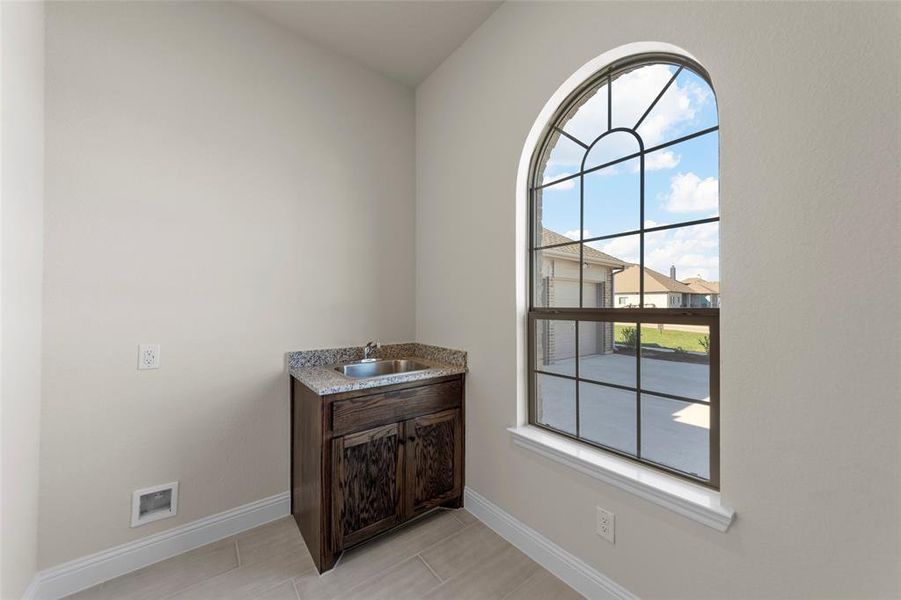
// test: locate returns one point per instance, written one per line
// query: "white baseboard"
(31, 592)
(82, 573)
(577, 573)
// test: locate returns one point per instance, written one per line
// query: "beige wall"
(21, 216)
(808, 97)
(220, 187)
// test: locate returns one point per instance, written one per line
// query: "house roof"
(626, 282)
(589, 254)
(702, 286)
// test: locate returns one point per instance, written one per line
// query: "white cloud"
(613, 147)
(565, 153)
(573, 234)
(693, 250)
(679, 104)
(701, 94)
(634, 92)
(690, 193)
(657, 161)
(572, 183)
(609, 171)
(625, 248)
(632, 95)
(590, 120)
(563, 185)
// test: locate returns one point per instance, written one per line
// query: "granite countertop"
(316, 368)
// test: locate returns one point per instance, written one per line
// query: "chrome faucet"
(369, 349)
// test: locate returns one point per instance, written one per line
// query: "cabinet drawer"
(390, 407)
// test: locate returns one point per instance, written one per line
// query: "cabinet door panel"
(368, 482)
(434, 460)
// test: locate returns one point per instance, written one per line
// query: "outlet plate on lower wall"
(606, 524)
(154, 503)
(148, 356)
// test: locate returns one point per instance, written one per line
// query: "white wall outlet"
(154, 503)
(148, 356)
(606, 525)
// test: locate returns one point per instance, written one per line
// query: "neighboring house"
(660, 291)
(558, 269)
(606, 281)
(705, 293)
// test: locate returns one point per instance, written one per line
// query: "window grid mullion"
(581, 286)
(628, 157)
(611, 236)
(641, 305)
(627, 388)
(610, 100)
(657, 99)
(532, 220)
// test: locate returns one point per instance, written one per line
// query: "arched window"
(624, 261)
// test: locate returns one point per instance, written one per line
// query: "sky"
(681, 181)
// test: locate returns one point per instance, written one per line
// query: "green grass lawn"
(690, 340)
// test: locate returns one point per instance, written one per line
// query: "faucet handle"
(369, 348)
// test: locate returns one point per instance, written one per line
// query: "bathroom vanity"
(371, 452)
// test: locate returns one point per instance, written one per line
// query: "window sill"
(685, 498)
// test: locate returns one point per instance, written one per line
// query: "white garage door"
(566, 294)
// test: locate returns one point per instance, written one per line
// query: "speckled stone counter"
(316, 368)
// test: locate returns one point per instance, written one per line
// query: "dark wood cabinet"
(364, 462)
(434, 445)
(368, 483)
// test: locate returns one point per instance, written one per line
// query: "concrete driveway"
(674, 433)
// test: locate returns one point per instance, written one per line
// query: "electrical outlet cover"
(606, 524)
(148, 356)
(154, 503)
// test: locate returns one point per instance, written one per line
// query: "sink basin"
(375, 368)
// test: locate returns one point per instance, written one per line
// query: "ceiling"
(405, 40)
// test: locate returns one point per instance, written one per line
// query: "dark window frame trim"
(698, 316)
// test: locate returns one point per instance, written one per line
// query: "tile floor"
(448, 554)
